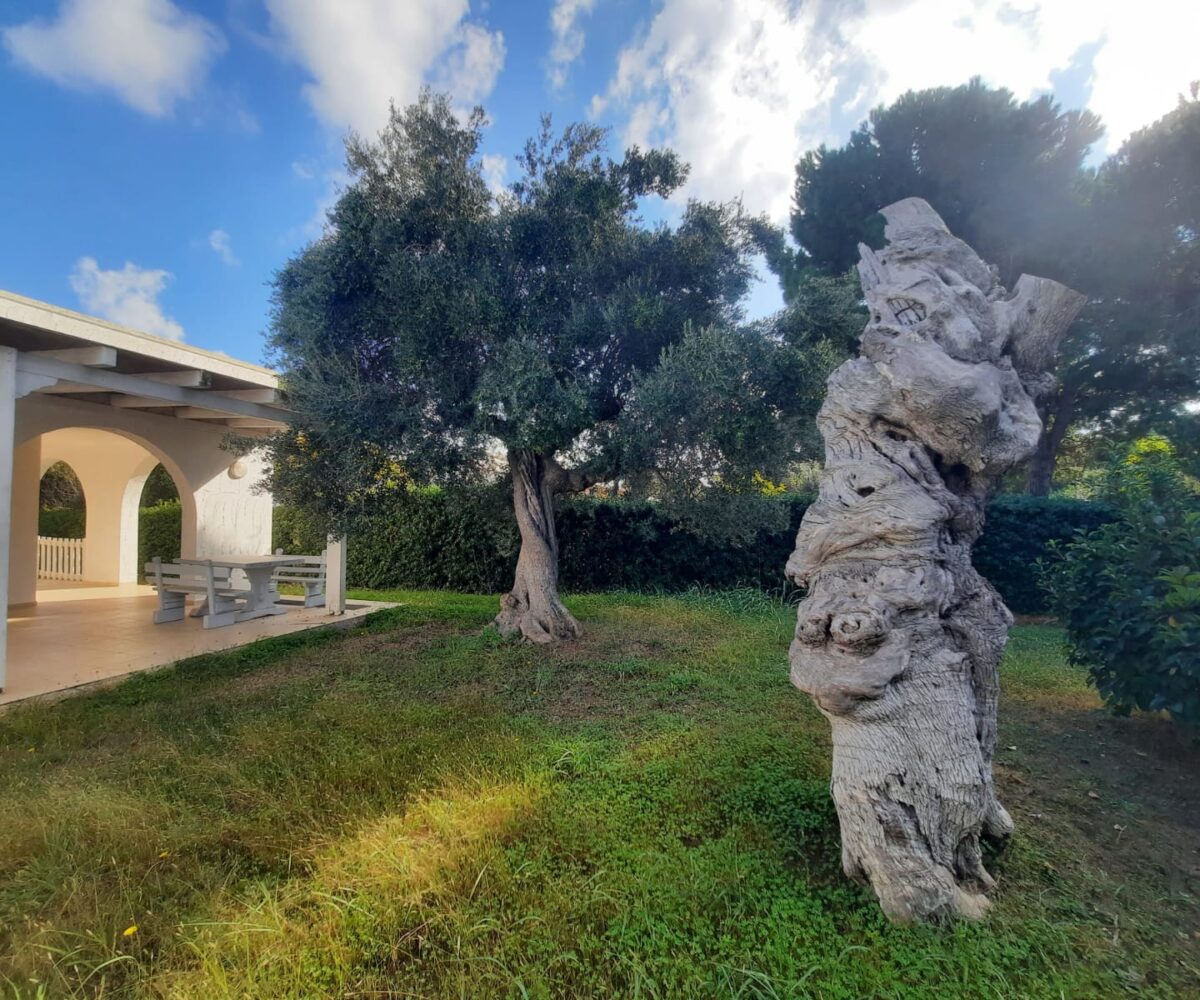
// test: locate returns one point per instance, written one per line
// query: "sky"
(162, 159)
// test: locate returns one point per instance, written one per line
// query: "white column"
(23, 524)
(335, 575)
(8, 414)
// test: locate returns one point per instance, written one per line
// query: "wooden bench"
(310, 574)
(174, 582)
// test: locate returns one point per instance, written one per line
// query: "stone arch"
(131, 505)
(223, 513)
(113, 465)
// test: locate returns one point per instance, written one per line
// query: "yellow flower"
(129, 931)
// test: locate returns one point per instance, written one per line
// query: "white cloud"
(363, 53)
(222, 246)
(495, 171)
(128, 296)
(567, 46)
(149, 52)
(470, 67)
(741, 90)
(333, 183)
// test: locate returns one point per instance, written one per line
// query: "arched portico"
(112, 469)
(224, 512)
(113, 403)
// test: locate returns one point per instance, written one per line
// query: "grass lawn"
(418, 809)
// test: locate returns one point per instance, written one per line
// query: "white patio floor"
(80, 635)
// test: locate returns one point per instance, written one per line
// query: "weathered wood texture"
(898, 639)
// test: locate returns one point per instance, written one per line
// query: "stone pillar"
(335, 575)
(26, 494)
(8, 411)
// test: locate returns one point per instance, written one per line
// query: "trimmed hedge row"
(1018, 532)
(469, 542)
(158, 528)
(61, 522)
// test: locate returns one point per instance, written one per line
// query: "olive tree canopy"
(438, 324)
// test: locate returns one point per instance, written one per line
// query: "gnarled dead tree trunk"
(532, 609)
(898, 640)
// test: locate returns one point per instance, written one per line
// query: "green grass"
(418, 809)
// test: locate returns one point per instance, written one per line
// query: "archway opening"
(160, 519)
(62, 526)
(113, 469)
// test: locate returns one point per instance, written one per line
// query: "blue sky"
(164, 157)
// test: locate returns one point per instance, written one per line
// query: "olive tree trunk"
(1045, 456)
(898, 639)
(532, 609)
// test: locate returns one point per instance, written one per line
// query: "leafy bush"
(60, 488)
(1129, 591)
(159, 487)
(159, 530)
(467, 540)
(295, 533)
(61, 522)
(1019, 530)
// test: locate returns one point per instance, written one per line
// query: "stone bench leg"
(221, 611)
(314, 595)
(171, 607)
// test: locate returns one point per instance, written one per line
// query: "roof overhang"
(67, 354)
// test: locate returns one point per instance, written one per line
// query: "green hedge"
(61, 522)
(159, 529)
(468, 541)
(1018, 532)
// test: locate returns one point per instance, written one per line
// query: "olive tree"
(438, 324)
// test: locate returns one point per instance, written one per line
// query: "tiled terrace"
(80, 635)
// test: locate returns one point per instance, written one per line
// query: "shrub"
(1129, 591)
(295, 533)
(61, 522)
(159, 530)
(1020, 530)
(467, 540)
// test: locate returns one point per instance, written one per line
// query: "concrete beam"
(269, 397)
(252, 424)
(136, 402)
(200, 413)
(189, 378)
(139, 385)
(89, 357)
(69, 388)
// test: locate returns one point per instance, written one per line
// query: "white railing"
(60, 558)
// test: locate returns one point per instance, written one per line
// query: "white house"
(113, 403)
